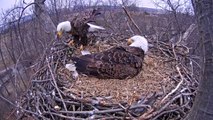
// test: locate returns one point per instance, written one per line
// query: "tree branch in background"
(129, 16)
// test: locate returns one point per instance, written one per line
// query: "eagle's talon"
(71, 43)
(81, 47)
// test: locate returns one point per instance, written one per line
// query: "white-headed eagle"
(116, 63)
(79, 27)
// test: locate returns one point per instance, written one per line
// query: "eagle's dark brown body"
(115, 63)
(80, 27)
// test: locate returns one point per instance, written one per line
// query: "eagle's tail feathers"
(94, 27)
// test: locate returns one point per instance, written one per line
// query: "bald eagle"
(116, 63)
(79, 27)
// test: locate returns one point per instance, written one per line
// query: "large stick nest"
(165, 88)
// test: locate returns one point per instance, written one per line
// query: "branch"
(105, 111)
(129, 16)
(176, 88)
(56, 86)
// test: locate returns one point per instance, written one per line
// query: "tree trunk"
(203, 106)
(41, 12)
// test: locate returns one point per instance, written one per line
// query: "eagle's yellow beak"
(59, 34)
(129, 41)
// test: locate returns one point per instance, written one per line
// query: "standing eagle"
(116, 63)
(79, 27)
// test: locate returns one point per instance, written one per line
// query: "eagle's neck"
(138, 51)
(135, 51)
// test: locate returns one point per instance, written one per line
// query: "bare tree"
(177, 16)
(129, 2)
(203, 104)
(41, 11)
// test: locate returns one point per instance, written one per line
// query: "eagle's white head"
(138, 41)
(63, 27)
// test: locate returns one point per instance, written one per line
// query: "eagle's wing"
(135, 51)
(79, 31)
(81, 26)
(116, 63)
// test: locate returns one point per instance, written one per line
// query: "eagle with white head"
(116, 63)
(79, 27)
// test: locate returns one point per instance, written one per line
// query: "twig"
(63, 116)
(104, 111)
(154, 113)
(176, 88)
(56, 86)
(129, 26)
(40, 81)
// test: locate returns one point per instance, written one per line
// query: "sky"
(146, 3)
(6, 4)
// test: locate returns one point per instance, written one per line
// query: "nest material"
(155, 74)
(163, 90)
